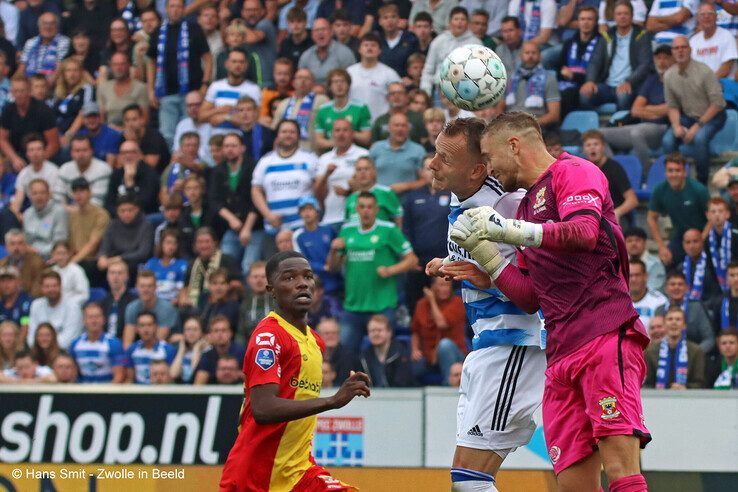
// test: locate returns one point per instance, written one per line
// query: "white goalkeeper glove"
(493, 226)
(485, 252)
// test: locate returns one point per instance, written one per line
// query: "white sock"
(465, 480)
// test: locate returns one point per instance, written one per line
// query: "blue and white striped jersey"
(96, 359)
(139, 358)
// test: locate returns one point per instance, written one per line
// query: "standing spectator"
(24, 259)
(396, 44)
(342, 360)
(72, 92)
(667, 20)
(434, 120)
(635, 246)
(179, 61)
(371, 78)
(23, 116)
(371, 285)
(99, 355)
(335, 168)
(684, 201)
(152, 143)
(645, 300)
(148, 348)
(119, 92)
(343, 31)
(537, 20)
(129, 237)
(725, 314)
(495, 9)
(423, 30)
(65, 317)
(398, 101)
(189, 351)
(282, 89)
(114, 304)
(313, 241)
(479, 23)
(341, 106)
(45, 222)
(184, 162)
(365, 179)
(298, 41)
(15, 304)
(512, 41)
(326, 55)
(38, 168)
(168, 267)
(193, 123)
(438, 326)
(256, 303)
(75, 285)
(166, 316)
(712, 45)
(722, 371)
(281, 178)
(533, 89)
(217, 301)
(302, 107)
(82, 51)
(644, 135)
(87, 225)
(675, 363)
(221, 343)
(696, 106)
(261, 39)
(386, 361)
(207, 19)
(439, 10)
(607, 14)
(721, 239)
(43, 53)
(9, 17)
(119, 41)
(258, 140)
(195, 213)
(85, 165)
(105, 140)
(623, 197)
(397, 159)
(92, 17)
(323, 306)
(134, 178)
(699, 328)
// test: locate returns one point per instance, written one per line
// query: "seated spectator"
(25, 260)
(675, 363)
(725, 311)
(365, 179)
(84, 164)
(623, 197)
(533, 89)
(65, 369)
(41, 90)
(45, 348)
(218, 301)
(257, 303)
(154, 148)
(645, 300)
(649, 114)
(656, 329)
(438, 326)
(370, 77)
(371, 286)
(98, 354)
(190, 349)
(220, 335)
(23, 116)
(617, 71)
(313, 241)
(119, 92)
(722, 371)
(329, 375)
(146, 349)
(386, 361)
(696, 107)
(326, 54)
(43, 53)
(398, 160)
(129, 237)
(684, 200)
(64, 317)
(721, 243)
(11, 341)
(397, 44)
(133, 179)
(341, 107)
(159, 372)
(193, 124)
(168, 266)
(167, 319)
(15, 304)
(72, 92)
(26, 370)
(38, 168)
(667, 20)
(282, 89)
(302, 107)
(712, 45)
(454, 375)
(150, 20)
(87, 225)
(699, 328)
(45, 222)
(115, 303)
(228, 370)
(208, 259)
(635, 245)
(699, 270)
(75, 285)
(105, 140)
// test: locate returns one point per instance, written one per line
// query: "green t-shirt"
(686, 207)
(355, 112)
(381, 245)
(387, 201)
(233, 179)
(380, 130)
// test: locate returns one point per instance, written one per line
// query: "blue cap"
(308, 200)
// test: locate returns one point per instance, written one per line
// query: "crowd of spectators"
(156, 152)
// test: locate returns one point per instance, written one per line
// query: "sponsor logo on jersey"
(587, 198)
(313, 386)
(265, 338)
(265, 358)
(609, 411)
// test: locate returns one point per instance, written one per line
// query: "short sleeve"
(620, 183)
(394, 205)
(548, 14)
(655, 204)
(365, 119)
(261, 363)
(578, 186)
(130, 315)
(399, 243)
(153, 45)
(320, 124)
(257, 177)
(210, 94)
(171, 353)
(552, 88)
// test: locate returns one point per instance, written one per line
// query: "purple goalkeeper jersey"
(582, 295)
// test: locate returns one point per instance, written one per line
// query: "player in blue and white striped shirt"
(140, 354)
(99, 355)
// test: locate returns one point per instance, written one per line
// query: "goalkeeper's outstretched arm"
(517, 287)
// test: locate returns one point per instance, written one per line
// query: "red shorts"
(317, 479)
(592, 393)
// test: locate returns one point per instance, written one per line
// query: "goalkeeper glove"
(483, 251)
(493, 226)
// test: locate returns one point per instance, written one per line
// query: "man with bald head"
(696, 106)
(301, 107)
(398, 159)
(42, 53)
(327, 53)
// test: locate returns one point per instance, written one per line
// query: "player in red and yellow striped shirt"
(283, 369)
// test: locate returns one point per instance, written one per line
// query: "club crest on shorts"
(554, 453)
(609, 410)
(540, 204)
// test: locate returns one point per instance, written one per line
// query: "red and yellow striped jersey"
(274, 457)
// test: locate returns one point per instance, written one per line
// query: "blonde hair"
(7, 360)
(434, 114)
(236, 26)
(62, 89)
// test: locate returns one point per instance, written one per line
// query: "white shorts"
(501, 388)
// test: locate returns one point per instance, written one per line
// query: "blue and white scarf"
(576, 64)
(303, 113)
(721, 256)
(725, 313)
(43, 59)
(697, 285)
(535, 91)
(175, 174)
(532, 28)
(183, 56)
(665, 363)
(129, 15)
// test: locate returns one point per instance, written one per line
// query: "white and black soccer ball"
(473, 77)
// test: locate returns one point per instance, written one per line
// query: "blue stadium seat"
(725, 139)
(633, 168)
(97, 294)
(607, 108)
(581, 121)
(572, 149)
(656, 175)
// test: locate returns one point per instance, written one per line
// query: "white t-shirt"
(639, 12)
(345, 164)
(49, 173)
(646, 307)
(663, 8)
(221, 93)
(98, 175)
(370, 86)
(285, 180)
(549, 10)
(715, 51)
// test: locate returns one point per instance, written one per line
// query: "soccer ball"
(473, 77)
